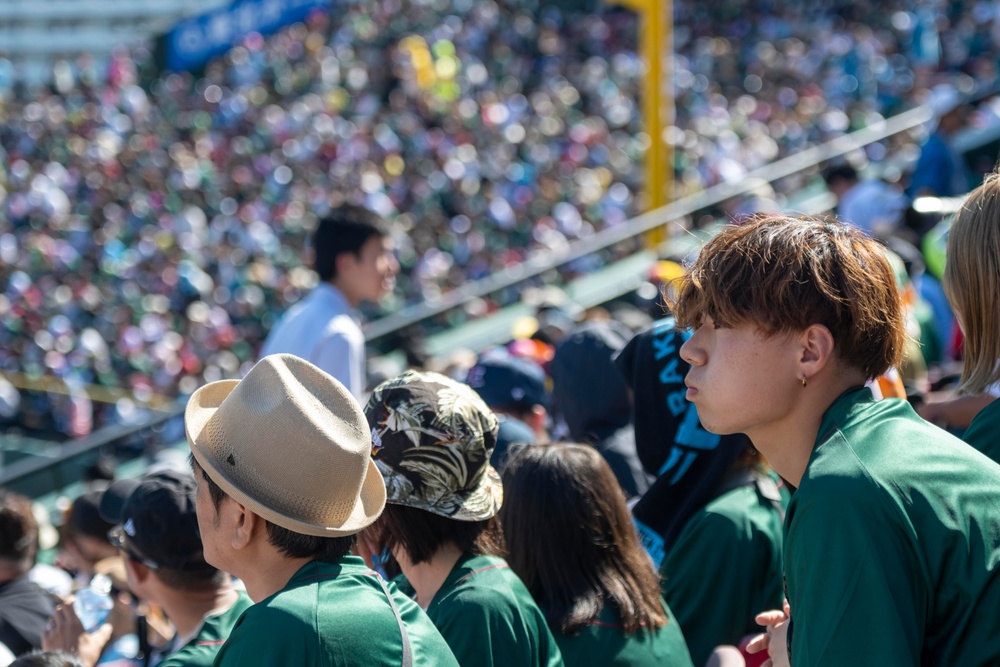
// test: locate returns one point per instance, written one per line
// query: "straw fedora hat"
(291, 444)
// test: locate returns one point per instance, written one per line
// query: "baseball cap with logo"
(505, 381)
(156, 520)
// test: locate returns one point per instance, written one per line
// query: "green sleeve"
(854, 582)
(707, 577)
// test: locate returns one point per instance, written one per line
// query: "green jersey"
(892, 543)
(724, 569)
(200, 650)
(488, 617)
(605, 643)
(333, 615)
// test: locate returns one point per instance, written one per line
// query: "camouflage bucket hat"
(431, 439)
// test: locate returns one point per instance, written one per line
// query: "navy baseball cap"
(155, 519)
(505, 381)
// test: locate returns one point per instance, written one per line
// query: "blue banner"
(194, 41)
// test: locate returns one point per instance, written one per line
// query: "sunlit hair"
(783, 274)
(572, 542)
(422, 534)
(972, 283)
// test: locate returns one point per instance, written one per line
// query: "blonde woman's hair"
(972, 283)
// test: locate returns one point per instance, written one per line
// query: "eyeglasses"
(119, 538)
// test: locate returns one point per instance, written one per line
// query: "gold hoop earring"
(804, 383)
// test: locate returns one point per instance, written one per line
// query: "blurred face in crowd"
(85, 551)
(370, 274)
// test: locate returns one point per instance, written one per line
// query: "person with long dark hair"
(571, 540)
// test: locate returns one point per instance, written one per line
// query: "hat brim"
(200, 408)
(483, 503)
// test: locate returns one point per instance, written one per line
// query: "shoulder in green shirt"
(333, 614)
(984, 431)
(724, 569)
(488, 617)
(604, 643)
(202, 649)
(892, 543)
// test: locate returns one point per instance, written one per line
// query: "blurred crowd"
(153, 227)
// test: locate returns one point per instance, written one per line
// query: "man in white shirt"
(352, 254)
(873, 205)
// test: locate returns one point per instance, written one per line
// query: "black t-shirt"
(24, 611)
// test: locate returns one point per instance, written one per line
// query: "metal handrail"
(605, 238)
(94, 441)
(537, 265)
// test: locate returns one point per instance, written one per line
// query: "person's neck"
(188, 609)
(349, 296)
(788, 444)
(268, 573)
(427, 577)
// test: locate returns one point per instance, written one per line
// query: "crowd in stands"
(764, 473)
(777, 491)
(154, 224)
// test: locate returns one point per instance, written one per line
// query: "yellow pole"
(656, 32)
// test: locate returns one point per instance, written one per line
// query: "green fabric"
(333, 614)
(892, 543)
(724, 569)
(215, 630)
(984, 431)
(931, 342)
(488, 617)
(604, 643)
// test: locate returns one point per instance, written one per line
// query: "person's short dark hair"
(572, 542)
(423, 533)
(782, 274)
(84, 518)
(18, 530)
(47, 659)
(289, 543)
(840, 172)
(345, 229)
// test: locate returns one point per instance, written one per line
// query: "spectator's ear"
(345, 263)
(245, 526)
(537, 419)
(818, 349)
(139, 571)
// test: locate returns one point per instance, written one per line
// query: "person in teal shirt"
(892, 539)
(432, 440)
(972, 282)
(571, 540)
(285, 483)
